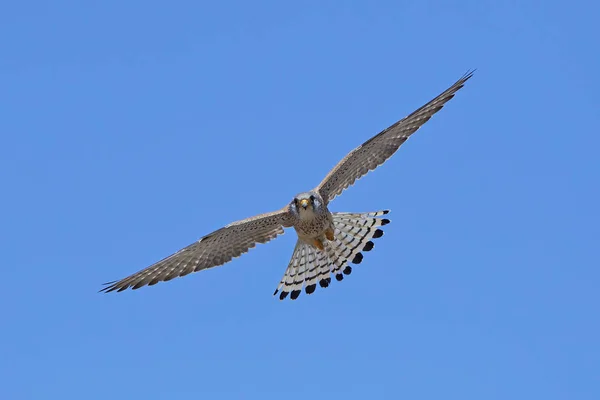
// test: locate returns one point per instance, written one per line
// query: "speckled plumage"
(327, 242)
(313, 222)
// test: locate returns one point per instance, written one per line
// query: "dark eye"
(295, 201)
(312, 198)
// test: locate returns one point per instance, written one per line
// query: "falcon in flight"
(327, 241)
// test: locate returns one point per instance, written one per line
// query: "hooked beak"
(304, 203)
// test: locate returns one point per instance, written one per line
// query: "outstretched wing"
(210, 251)
(380, 147)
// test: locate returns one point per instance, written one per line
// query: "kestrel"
(327, 241)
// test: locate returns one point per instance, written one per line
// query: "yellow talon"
(329, 234)
(318, 244)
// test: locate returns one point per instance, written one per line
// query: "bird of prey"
(327, 241)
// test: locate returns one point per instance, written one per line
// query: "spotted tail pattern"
(353, 235)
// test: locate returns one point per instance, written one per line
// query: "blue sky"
(131, 129)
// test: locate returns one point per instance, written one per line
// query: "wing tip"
(114, 286)
(108, 287)
(468, 75)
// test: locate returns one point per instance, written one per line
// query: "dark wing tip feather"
(468, 74)
(109, 287)
(126, 283)
(461, 82)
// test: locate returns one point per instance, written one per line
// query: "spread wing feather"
(382, 146)
(210, 251)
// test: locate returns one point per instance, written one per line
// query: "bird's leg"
(318, 244)
(329, 234)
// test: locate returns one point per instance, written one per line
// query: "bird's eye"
(295, 201)
(312, 198)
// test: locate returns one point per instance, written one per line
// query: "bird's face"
(307, 205)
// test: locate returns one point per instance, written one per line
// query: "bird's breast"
(313, 227)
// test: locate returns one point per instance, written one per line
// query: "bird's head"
(307, 205)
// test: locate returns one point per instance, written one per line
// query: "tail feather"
(312, 275)
(324, 272)
(353, 234)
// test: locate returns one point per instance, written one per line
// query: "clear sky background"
(129, 129)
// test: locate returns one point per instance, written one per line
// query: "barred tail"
(353, 235)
